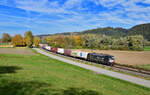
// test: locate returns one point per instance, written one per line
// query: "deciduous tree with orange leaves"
(79, 41)
(18, 40)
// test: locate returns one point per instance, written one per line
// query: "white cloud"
(3, 2)
(108, 3)
(43, 6)
(73, 17)
(72, 3)
(146, 1)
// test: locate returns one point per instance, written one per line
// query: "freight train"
(93, 57)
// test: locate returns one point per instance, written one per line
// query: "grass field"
(146, 66)
(40, 75)
(147, 48)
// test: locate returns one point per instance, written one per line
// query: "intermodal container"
(67, 52)
(54, 49)
(48, 48)
(61, 50)
(74, 53)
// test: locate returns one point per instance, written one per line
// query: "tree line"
(84, 41)
(93, 41)
(18, 41)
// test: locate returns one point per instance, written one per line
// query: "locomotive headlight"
(110, 60)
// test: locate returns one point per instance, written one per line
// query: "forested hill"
(107, 31)
(142, 29)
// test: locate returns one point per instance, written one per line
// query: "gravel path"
(128, 78)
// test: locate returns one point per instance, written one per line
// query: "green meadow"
(147, 48)
(41, 75)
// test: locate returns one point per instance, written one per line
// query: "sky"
(57, 16)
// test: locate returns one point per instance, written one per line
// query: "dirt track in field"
(125, 57)
(16, 51)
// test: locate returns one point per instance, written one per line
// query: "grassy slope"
(146, 66)
(40, 75)
(147, 48)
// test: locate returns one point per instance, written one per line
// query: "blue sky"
(57, 16)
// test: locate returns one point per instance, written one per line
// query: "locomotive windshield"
(112, 57)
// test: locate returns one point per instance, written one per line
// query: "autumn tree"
(136, 42)
(18, 40)
(90, 41)
(28, 37)
(49, 40)
(36, 41)
(78, 41)
(60, 41)
(43, 40)
(6, 38)
(69, 41)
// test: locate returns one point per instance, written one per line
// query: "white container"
(60, 50)
(40, 45)
(82, 54)
(45, 46)
(74, 53)
(79, 54)
(48, 48)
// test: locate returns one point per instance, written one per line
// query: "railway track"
(116, 67)
(139, 70)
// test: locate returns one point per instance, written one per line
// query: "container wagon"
(82, 55)
(74, 53)
(48, 48)
(43, 45)
(60, 51)
(67, 52)
(54, 49)
(40, 45)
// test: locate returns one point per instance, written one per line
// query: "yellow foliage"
(49, 40)
(78, 40)
(17, 40)
(28, 37)
(36, 41)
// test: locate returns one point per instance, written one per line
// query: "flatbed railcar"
(93, 57)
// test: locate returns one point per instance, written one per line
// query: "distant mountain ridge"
(141, 29)
(110, 31)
